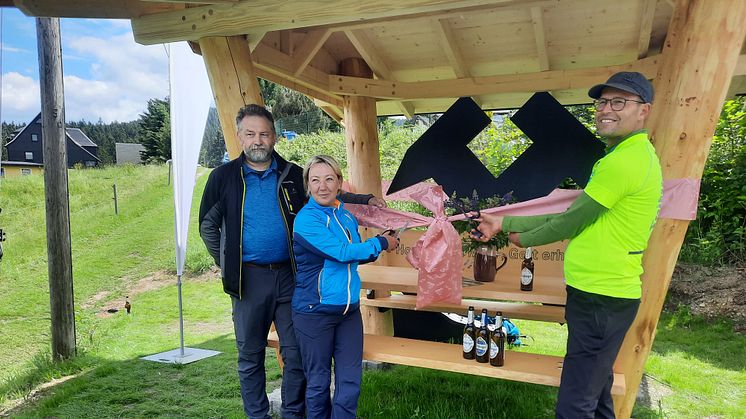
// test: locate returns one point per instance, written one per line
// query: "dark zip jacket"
(221, 214)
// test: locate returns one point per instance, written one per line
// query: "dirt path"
(154, 281)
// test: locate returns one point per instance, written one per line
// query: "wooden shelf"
(555, 314)
(519, 366)
(547, 289)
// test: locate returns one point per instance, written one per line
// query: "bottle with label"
(527, 271)
(470, 333)
(483, 340)
(497, 342)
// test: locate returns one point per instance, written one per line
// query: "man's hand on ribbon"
(489, 225)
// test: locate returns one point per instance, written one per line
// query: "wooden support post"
(698, 63)
(233, 80)
(59, 255)
(364, 168)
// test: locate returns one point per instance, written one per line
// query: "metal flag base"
(176, 356)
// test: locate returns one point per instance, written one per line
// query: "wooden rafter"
(368, 51)
(450, 47)
(334, 112)
(270, 15)
(308, 48)
(509, 83)
(407, 108)
(273, 65)
(537, 21)
(647, 14)
(286, 42)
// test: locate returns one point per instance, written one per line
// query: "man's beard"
(259, 155)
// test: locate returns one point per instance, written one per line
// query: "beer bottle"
(470, 333)
(497, 342)
(527, 271)
(483, 340)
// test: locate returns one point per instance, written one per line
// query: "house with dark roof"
(25, 150)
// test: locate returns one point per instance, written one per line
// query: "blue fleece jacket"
(327, 250)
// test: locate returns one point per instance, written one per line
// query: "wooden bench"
(519, 366)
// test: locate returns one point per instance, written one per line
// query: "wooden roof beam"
(308, 48)
(334, 112)
(537, 21)
(105, 9)
(407, 109)
(275, 66)
(647, 15)
(270, 15)
(508, 83)
(450, 47)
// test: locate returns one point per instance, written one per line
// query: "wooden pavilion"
(358, 60)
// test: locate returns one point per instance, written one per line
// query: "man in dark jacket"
(246, 220)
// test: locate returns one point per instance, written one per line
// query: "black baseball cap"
(629, 81)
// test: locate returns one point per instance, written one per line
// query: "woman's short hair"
(328, 160)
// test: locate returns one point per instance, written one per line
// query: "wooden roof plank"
(308, 48)
(270, 15)
(537, 21)
(450, 47)
(647, 15)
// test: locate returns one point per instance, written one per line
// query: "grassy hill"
(700, 367)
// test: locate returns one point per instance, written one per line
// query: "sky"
(107, 76)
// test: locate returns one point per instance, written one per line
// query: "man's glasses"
(617, 103)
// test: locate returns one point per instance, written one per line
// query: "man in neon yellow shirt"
(608, 225)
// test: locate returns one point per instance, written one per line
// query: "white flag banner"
(191, 97)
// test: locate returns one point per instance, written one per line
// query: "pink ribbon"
(437, 254)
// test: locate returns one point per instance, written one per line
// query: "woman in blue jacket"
(326, 302)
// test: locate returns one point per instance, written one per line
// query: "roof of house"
(80, 138)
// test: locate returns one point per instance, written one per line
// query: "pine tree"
(155, 131)
(213, 143)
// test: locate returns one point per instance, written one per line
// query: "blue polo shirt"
(264, 236)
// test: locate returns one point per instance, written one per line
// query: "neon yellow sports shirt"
(606, 257)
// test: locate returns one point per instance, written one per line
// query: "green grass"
(704, 363)
(109, 251)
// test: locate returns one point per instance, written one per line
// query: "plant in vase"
(486, 254)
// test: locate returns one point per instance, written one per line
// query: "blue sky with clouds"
(107, 75)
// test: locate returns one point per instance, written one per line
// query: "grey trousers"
(267, 295)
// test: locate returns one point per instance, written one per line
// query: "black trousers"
(267, 294)
(596, 325)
